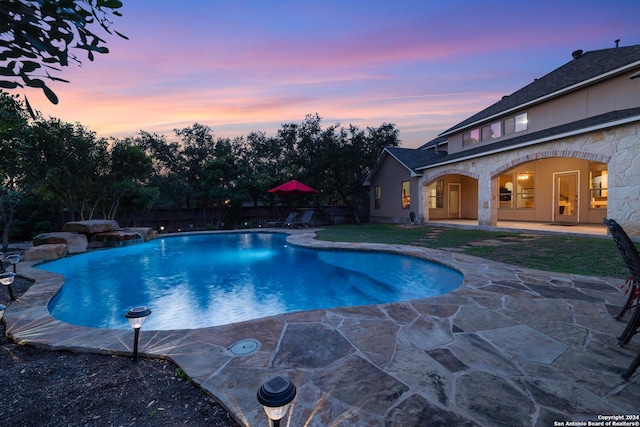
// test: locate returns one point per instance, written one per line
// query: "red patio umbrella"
(293, 187)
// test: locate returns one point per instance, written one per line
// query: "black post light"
(137, 316)
(13, 260)
(7, 280)
(275, 396)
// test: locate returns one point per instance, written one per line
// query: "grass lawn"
(591, 256)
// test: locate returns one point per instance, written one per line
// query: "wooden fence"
(196, 219)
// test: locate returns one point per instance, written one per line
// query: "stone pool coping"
(511, 346)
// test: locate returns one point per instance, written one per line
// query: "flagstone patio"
(511, 346)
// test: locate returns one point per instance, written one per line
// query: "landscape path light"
(137, 316)
(13, 260)
(7, 280)
(275, 396)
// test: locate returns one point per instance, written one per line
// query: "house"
(563, 149)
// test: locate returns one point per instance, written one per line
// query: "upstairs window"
(492, 131)
(521, 122)
(406, 195)
(508, 126)
(471, 137)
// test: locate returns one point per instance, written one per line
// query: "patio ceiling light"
(275, 396)
(136, 317)
(7, 280)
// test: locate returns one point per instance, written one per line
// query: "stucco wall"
(389, 177)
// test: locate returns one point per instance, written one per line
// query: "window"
(525, 190)
(505, 192)
(598, 185)
(516, 124)
(378, 196)
(521, 122)
(406, 195)
(509, 126)
(494, 130)
(436, 194)
(471, 137)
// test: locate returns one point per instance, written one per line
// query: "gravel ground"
(55, 388)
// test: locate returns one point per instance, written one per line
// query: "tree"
(336, 160)
(351, 159)
(262, 165)
(13, 130)
(126, 182)
(67, 163)
(38, 36)
(166, 176)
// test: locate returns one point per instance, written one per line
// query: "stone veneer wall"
(618, 146)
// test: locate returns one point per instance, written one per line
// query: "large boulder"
(76, 243)
(115, 238)
(147, 233)
(91, 226)
(46, 252)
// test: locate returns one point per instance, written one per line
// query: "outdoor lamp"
(7, 280)
(2, 309)
(13, 260)
(275, 396)
(137, 316)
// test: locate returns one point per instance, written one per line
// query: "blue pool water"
(202, 280)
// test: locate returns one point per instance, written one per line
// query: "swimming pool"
(201, 280)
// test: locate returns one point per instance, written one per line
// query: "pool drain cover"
(244, 347)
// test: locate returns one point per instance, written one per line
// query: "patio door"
(454, 200)
(566, 197)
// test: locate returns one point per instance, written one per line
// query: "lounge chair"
(286, 223)
(632, 260)
(630, 257)
(305, 220)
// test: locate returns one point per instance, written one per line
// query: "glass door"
(454, 200)
(566, 198)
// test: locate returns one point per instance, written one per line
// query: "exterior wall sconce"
(7, 280)
(275, 396)
(13, 260)
(136, 317)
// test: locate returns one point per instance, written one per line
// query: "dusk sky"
(243, 66)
